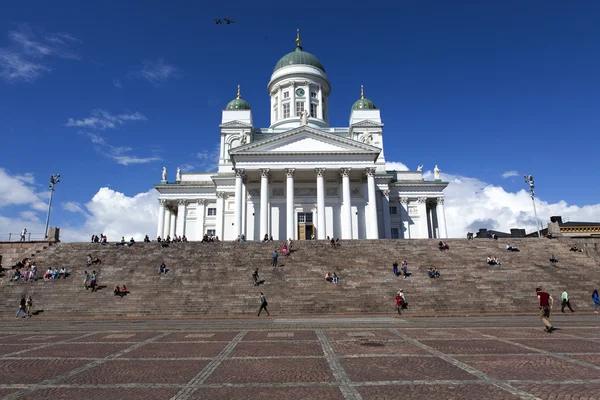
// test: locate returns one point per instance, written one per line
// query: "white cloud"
(509, 174)
(127, 160)
(103, 119)
(158, 71)
(29, 216)
(396, 166)
(117, 83)
(17, 190)
(26, 56)
(74, 207)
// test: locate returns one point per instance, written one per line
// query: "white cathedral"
(300, 178)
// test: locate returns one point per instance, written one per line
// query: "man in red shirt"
(545, 302)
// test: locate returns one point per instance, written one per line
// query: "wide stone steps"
(215, 278)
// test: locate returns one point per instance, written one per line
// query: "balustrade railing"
(17, 237)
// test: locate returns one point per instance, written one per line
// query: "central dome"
(299, 57)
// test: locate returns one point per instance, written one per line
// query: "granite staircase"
(214, 279)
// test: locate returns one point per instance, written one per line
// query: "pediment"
(367, 123)
(305, 140)
(235, 124)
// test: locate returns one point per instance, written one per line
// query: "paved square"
(293, 359)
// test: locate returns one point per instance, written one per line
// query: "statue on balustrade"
(164, 174)
(178, 175)
(436, 173)
(304, 118)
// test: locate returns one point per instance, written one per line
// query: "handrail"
(16, 237)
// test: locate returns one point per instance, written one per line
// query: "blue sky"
(479, 88)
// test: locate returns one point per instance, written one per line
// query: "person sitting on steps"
(553, 260)
(441, 246)
(511, 249)
(162, 269)
(255, 277)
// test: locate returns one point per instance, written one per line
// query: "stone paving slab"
(438, 392)
(281, 335)
(76, 350)
(402, 368)
(562, 345)
(125, 336)
(30, 338)
(270, 393)
(531, 367)
(442, 333)
(33, 371)
(11, 348)
(176, 350)
(102, 393)
(272, 370)
(488, 346)
(355, 334)
(139, 371)
(369, 347)
(566, 391)
(269, 349)
(591, 359)
(193, 336)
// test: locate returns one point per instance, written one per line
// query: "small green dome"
(362, 103)
(298, 57)
(238, 103)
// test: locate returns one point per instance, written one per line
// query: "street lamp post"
(54, 179)
(529, 181)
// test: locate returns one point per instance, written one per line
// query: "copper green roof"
(238, 104)
(364, 104)
(298, 57)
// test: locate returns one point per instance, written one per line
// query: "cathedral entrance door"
(305, 226)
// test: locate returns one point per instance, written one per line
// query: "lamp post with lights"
(529, 182)
(54, 179)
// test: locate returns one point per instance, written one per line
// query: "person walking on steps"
(274, 262)
(263, 304)
(545, 301)
(596, 301)
(23, 308)
(565, 301)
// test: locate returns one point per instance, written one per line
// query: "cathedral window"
(275, 113)
(313, 110)
(313, 95)
(286, 110)
(299, 108)
(212, 211)
(286, 95)
(276, 100)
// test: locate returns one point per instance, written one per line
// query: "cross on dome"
(362, 92)
(238, 94)
(298, 40)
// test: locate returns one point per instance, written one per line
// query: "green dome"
(299, 57)
(238, 104)
(364, 104)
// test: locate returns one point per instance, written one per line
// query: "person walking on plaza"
(565, 301)
(28, 305)
(23, 233)
(596, 301)
(274, 262)
(23, 308)
(545, 301)
(263, 304)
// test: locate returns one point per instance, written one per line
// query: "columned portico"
(264, 203)
(372, 226)
(161, 218)
(346, 204)
(387, 229)
(441, 217)
(173, 226)
(181, 210)
(422, 210)
(239, 199)
(289, 204)
(320, 203)
(404, 218)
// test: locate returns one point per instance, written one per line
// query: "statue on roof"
(178, 174)
(243, 138)
(436, 173)
(164, 174)
(368, 138)
(304, 118)
(420, 168)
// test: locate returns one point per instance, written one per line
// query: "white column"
(161, 218)
(422, 207)
(239, 175)
(289, 203)
(200, 213)
(431, 225)
(264, 203)
(321, 234)
(404, 220)
(220, 216)
(167, 231)
(173, 226)
(244, 207)
(372, 225)
(279, 104)
(346, 219)
(181, 210)
(441, 217)
(320, 107)
(387, 224)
